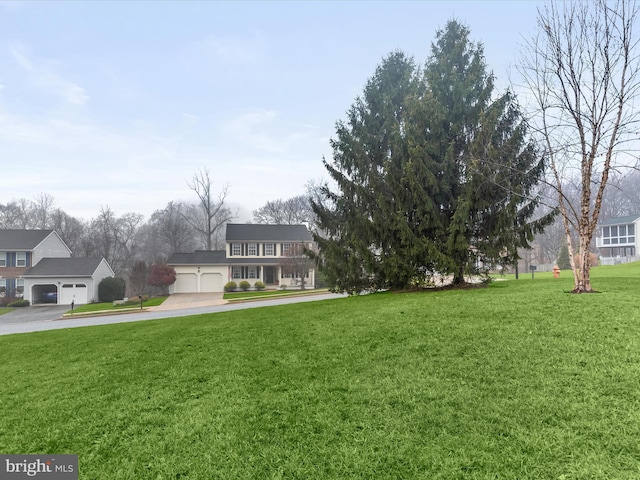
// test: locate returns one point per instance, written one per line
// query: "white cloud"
(234, 50)
(189, 119)
(42, 75)
(252, 129)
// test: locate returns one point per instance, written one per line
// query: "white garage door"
(211, 282)
(186, 283)
(73, 292)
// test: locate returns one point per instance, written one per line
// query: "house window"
(21, 259)
(3, 287)
(286, 248)
(3, 259)
(618, 235)
(253, 272)
(252, 249)
(269, 249)
(237, 272)
(236, 249)
(19, 287)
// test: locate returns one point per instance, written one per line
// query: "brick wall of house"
(12, 272)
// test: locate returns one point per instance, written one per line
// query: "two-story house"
(253, 252)
(617, 239)
(37, 265)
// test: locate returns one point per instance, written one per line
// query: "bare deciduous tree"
(70, 229)
(292, 211)
(211, 213)
(113, 238)
(42, 209)
(581, 73)
(622, 197)
(170, 232)
(296, 264)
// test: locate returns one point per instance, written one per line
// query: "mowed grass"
(254, 295)
(107, 306)
(520, 380)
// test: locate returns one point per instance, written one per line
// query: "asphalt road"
(37, 319)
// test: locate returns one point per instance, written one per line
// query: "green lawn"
(520, 380)
(253, 295)
(102, 306)
(5, 310)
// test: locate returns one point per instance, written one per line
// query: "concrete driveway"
(39, 313)
(189, 300)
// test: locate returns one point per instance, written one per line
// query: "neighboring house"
(617, 239)
(254, 252)
(36, 265)
(71, 279)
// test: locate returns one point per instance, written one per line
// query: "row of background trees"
(132, 244)
(433, 163)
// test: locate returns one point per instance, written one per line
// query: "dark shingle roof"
(64, 267)
(620, 220)
(22, 239)
(237, 232)
(200, 257)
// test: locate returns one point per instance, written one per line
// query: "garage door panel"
(211, 282)
(73, 292)
(186, 283)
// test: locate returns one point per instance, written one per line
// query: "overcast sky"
(119, 103)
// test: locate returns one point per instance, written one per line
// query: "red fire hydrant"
(556, 271)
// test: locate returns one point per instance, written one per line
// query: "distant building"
(617, 239)
(253, 252)
(36, 265)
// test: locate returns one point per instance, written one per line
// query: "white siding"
(103, 271)
(50, 247)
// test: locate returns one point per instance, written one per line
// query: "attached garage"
(65, 280)
(200, 272)
(185, 283)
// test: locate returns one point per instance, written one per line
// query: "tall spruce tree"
(431, 174)
(366, 243)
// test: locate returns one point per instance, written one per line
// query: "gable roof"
(64, 267)
(267, 233)
(199, 257)
(13, 239)
(620, 220)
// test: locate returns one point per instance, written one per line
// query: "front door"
(269, 275)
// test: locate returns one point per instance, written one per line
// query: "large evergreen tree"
(432, 174)
(360, 249)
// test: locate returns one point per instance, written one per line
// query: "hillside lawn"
(520, 380)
